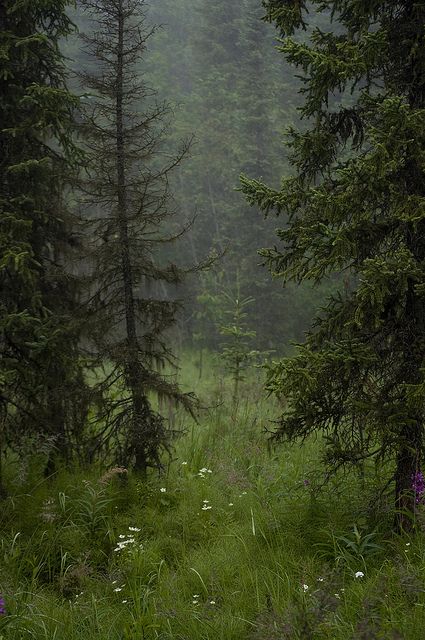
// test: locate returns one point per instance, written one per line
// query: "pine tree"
(40, 374)
(356, 204)
(127, 190)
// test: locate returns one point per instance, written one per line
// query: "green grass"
(246, 559)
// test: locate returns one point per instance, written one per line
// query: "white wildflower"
(359, 574)
(133, 529)
(305, 587)
(117, 589)
(163, 489)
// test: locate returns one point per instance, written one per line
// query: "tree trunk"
(409, 455)
(408, 465)
(3, 492)
(133, 368)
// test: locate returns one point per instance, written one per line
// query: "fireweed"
(418, 486)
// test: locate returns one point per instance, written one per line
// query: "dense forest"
(212, 322)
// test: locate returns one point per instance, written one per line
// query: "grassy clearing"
(232, 543)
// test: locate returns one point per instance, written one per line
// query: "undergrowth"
(233, 542)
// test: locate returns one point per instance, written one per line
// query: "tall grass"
(234, 542)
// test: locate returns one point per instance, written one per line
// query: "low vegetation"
(233, 541)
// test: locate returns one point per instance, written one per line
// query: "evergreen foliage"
(356, 204)
(42, 387)
(237, 352)
(127, 190)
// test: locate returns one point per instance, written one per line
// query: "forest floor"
(233, 542)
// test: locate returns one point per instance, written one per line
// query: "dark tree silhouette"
(127, 189)
(356, 204)
(42, 390)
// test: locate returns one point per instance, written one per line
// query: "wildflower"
(117, 589)
(206, 507)
(359, 574)
(305, 587)
(205, 501)
(163, 489)
(2, 606)
(124, 601)
(195, 595)
(337, 596)
(184, 462)
(230, 504)
(212, 601)
(320, 579)
(407, 544)
(418, 486)
(122, 544)
(133, 529)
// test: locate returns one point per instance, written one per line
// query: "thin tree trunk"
(133, 370)
(409, 456)
(408, 464)
(3, 492)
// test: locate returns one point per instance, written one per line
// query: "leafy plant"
(351, 549)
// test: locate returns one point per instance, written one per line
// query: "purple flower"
(306, 483)
(418, 486)
(2, 606)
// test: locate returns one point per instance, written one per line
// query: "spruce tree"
(41, 382)
(126, 187)
(356, 204)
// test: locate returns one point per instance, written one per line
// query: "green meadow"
(235, 540)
